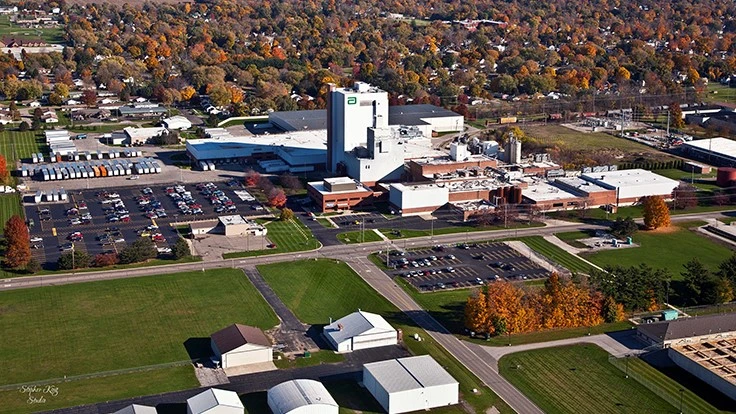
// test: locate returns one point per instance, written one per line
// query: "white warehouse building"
(301, 396)
(136, 409)
(632, 185)
(408, 199)
(360, 330)
(215, 401)
(410, 384)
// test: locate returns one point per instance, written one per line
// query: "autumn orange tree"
(656, 212)
(251, 178)
(4, 173)
(503, 307)
(276, 198)
(18, 243)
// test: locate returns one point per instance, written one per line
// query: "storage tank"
(516, 195)
(726, 175)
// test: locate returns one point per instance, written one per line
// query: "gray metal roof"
(136, 409)
(410, 373)
(290, 395)
(397, 115)
(690, 327)
(356, 324)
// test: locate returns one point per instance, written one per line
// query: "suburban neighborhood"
(446, 207)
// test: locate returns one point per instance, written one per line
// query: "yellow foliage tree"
(187, 93)
(656, 212)
(476, 313)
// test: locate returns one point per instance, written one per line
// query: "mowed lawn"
(15, 145)
(51, 332)
(316, 290)
(109, 388)
(319, 289)
(556, 254)
(289, 236)
(9, 206)
(669, 249)
(578, 379)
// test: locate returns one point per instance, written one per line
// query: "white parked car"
(36, 240)
(134, 177)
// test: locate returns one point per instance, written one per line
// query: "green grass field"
(289, 236)
(315, 358)
(583, 141)
(15, 145)
(117, 387)
(352, 237)
(578, 379)
(669, 250)
(9, 206)
(316, 290)
(572, 238)
(50, 332)
(720, 93)
(51, 34)
(703, 182)
(556, 254)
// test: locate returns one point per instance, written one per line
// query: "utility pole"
(668, 124)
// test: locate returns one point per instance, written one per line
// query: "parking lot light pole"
(682, 391)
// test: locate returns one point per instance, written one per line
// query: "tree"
(138, 251)
(612, 311)
(656, 213)
(290, 181)
(89, 98)
(684, 197)
(4, 173)
(676, 118)
(276, 198)
(252, 178)
(18, 243)
(286, 214)
(105, 259)
(476, 313)
(23, 127)
(180, 249)
(73, 260)
(727, 269)
(55, 99)
(622, 228)
(695, 280)
(636, 287)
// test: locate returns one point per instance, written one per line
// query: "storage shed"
(136, 409)
(215, 401)
(301, 396)
(241, 345)
(360, 330)
(410, 384)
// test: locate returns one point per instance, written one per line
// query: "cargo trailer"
(37, 197)
(62, 195)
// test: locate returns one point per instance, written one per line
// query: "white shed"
(241, 345)
(176, 122)
(215, 401)
(136, 409)
(301, 396)
(410, 384)
(360, 330)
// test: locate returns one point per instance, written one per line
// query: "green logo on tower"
(352, 100)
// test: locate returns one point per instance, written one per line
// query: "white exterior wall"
(406, 197)
(378, 392)
(446, 124)
(663, 189)
(220, 409)
(244, 355)
(305, 409)
(352, 115)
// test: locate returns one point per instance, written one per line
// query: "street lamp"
(627, 365)
(682, 391)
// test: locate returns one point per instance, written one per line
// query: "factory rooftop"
(320, 187)
(626, 178)
(720, 146)
(539, 191)
(719, 357)
(409, 373)
(397, 115)
(580, 184)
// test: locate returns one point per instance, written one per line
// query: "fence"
(11, 387)
(684, 400)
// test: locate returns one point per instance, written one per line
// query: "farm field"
(316, 290)
(289, 236)
(578, 379)
(154, 317)
(669, 249)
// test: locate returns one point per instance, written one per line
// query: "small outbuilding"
(215, 401)
(410, 384)
(301, 396)
(239, 345)
(176, 122)
(360, 330)
(137, 409)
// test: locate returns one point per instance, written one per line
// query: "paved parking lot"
(110, 219)
(464, 265)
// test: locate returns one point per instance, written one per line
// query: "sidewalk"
(570, 249)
